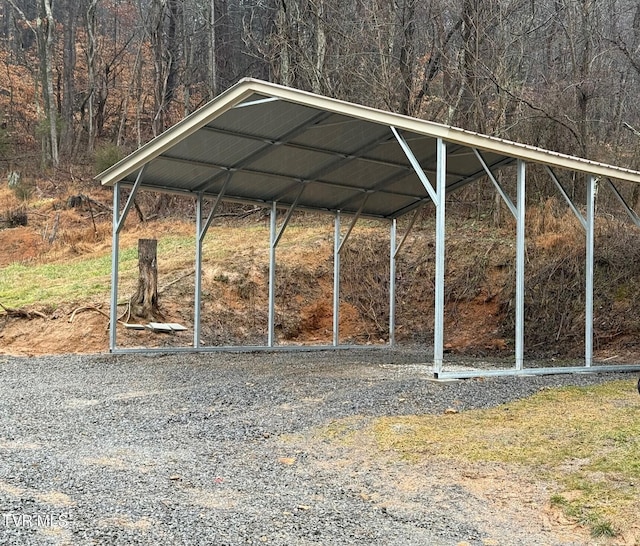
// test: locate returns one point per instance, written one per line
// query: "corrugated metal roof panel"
(291, 162)
(269, 139)
(217, 148)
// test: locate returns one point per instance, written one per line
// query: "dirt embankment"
(479, 287)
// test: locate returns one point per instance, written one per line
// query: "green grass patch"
(586, 440)
(55, 283)
(89, 277)
(83, 278)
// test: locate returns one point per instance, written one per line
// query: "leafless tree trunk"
(164, 20)
(47, 45)
(92, 47)
(406, 15)
(212, 51)
(44, 31)
(67, 140)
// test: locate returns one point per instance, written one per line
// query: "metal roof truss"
(278, 147)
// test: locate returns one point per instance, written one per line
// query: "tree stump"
(144, 303)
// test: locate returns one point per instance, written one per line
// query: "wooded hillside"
(86, 75)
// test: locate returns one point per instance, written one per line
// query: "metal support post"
(198, 272)
(118, 223)
(441, 185)
(336, 281)
(588, 328)
(115, 251)
(392, 282)
(201, 231)
(272, 276)
(520, 262)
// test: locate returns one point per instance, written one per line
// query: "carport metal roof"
(275, 146)
(266, 143)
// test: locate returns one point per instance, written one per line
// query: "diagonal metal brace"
(219, 197)
(632, 214)
(416, 165)
(564, 193)
(290, 212)
(406, 233)
(136, 186)
(353, 223)
(496, 183)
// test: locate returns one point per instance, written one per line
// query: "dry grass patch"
(585, 440)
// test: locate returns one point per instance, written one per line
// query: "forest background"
(560, 74)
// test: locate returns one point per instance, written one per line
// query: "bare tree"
(44, 31)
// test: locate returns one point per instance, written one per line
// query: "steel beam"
(275, 235)
(263, 150)
(201, 231)
(408, 230)
(566, 196)
(336, 281)
(392, 282)
(198, 274)
(451, 187)
(415, 164)
(591, 215)
(287, 218)
(120, 217)
(345, 237)
(115, 250)
(248, 349)
(255, 102)
(441, 179)
(468, 374)
(205, 227)
(520, 262)
(272, 276)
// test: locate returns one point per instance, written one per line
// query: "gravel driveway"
(221, 449)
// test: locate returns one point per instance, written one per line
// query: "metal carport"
(275, 146)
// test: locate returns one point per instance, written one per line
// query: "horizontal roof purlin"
(293, 137)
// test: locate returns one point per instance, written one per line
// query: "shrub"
(21, 187)
(107, 156)
(16, 217)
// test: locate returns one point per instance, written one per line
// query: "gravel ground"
(222, 449)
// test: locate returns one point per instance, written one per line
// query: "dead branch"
(169, 284)
(22, 313)
(97, 309)
(239, 215)
(127, 312)
(86, 308)
(82, 201)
